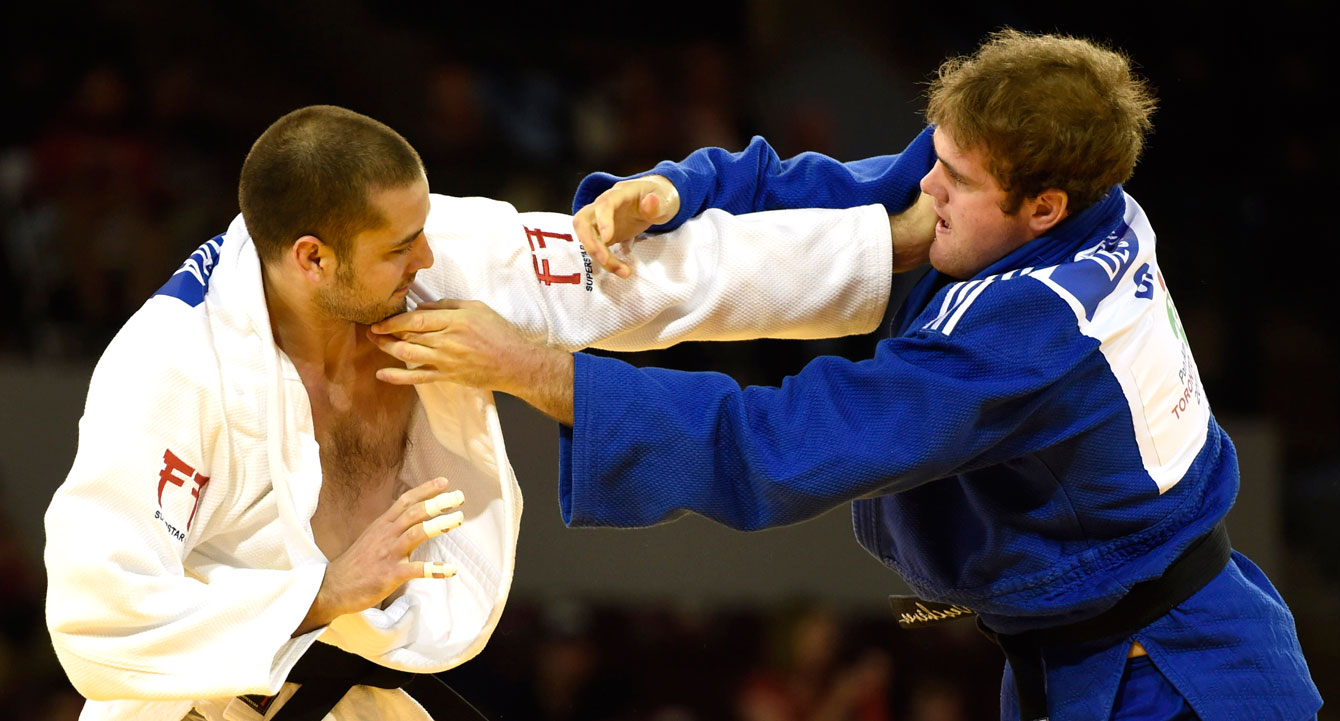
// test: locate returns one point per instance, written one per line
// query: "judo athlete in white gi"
(246, 487)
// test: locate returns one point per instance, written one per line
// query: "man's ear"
(314, 259)
(1046, 209)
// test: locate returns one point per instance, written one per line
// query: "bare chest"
(363, 433)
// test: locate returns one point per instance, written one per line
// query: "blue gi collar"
(1067, 238)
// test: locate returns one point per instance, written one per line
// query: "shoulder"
(189, 283)
(473, 241)
(1011, 313)
(1097, 288)
(161, 358)
(448, 214)
(464, 228)
(1109, 272)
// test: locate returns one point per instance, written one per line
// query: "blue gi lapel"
(1068, 237)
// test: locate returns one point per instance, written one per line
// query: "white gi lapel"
(256, 373)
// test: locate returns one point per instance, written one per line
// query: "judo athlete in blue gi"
(1032, 442)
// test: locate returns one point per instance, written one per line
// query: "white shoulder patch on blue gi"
(1120, 299)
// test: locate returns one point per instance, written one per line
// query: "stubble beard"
(343, 302)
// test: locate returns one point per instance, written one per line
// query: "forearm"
(650, 443)
(756, 179)
(544, 380)
(721, 277)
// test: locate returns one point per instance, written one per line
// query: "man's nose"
(425, 255)
(930, 184)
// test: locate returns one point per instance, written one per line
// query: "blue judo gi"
(1029, 443)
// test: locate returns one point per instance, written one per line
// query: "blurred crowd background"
(125, 123)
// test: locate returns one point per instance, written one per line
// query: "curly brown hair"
(313, 171)
(1047, 111)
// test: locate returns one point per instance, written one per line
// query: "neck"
(305, 333)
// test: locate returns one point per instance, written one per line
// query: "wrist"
(318, 614)
(547, 384)
(907, 252)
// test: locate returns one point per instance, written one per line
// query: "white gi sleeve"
(777, 274)
(126, 618)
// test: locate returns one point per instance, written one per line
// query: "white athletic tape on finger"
(433, 569)
(440, 525)
(443, 501)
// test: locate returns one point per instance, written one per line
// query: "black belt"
(326, 674)
(1145, 603)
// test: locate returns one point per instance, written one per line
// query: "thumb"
(650, 207)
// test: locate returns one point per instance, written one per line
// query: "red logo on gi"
(536, 237)
(177, 472)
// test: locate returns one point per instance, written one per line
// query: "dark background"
(124, 125)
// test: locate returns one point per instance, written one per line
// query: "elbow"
(108, 680)
(91, 680)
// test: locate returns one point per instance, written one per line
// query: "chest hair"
(363, 440)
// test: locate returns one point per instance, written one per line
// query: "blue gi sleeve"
(756, 179)
(649, 444)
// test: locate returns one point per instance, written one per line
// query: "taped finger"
(442, 501)
(433, 569)
(437, 526)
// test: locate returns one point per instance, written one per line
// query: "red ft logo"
(177, 472)
(536, 237)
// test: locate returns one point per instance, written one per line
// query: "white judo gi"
(180, 554)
